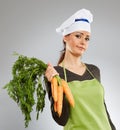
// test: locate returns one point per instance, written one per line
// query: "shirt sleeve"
(110, 121)
(97, 75)
(96, 72)
(62, 120)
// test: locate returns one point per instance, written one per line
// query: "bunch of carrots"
(58, 88)
(27, 81)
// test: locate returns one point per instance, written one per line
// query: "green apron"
(89, 112)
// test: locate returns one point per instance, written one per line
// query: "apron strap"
(92, 74)
(89, 71)
(65, 76)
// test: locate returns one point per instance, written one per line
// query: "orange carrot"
(58, 87)
(54, 84)
(67, 92)
(52, 90)
(60, 100)
(55, 106)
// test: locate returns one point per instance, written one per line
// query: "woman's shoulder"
(94, 69)
(58, 68)
(92, 66)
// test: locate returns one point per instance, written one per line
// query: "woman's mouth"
(80, 48)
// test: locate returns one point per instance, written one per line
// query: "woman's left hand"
(50, 72)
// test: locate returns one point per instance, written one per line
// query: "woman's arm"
(50, 72)
(97, 75)
(111, 123)
(62, 120)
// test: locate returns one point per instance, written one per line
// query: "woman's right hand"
(50, 72)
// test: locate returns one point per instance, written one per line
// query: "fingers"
(50, 72)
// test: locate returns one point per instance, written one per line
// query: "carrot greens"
(26, 84)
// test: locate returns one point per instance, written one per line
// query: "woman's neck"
(74, 65)
(72, 61)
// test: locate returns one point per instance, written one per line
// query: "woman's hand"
(50, 72)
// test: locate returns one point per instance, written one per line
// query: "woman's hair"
(62, 55)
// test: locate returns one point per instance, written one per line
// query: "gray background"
(28, 27)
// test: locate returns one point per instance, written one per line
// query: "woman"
(90, 112)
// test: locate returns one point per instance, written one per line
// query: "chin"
(78, 54)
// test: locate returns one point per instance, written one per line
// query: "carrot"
(57, 94)
(58, 87)
(54, 84)
(60, 100)
(55, 106)
(52, 89)
(67, 92)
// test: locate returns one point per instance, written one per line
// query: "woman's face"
(77, 42)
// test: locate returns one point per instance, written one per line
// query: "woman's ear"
(65, 39)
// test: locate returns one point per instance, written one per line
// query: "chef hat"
(79, 21)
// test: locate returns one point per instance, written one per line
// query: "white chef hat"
(79, 21)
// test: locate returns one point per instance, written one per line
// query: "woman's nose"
(83, 41)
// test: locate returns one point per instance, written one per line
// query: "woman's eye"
(78, 36)
(87, 39)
